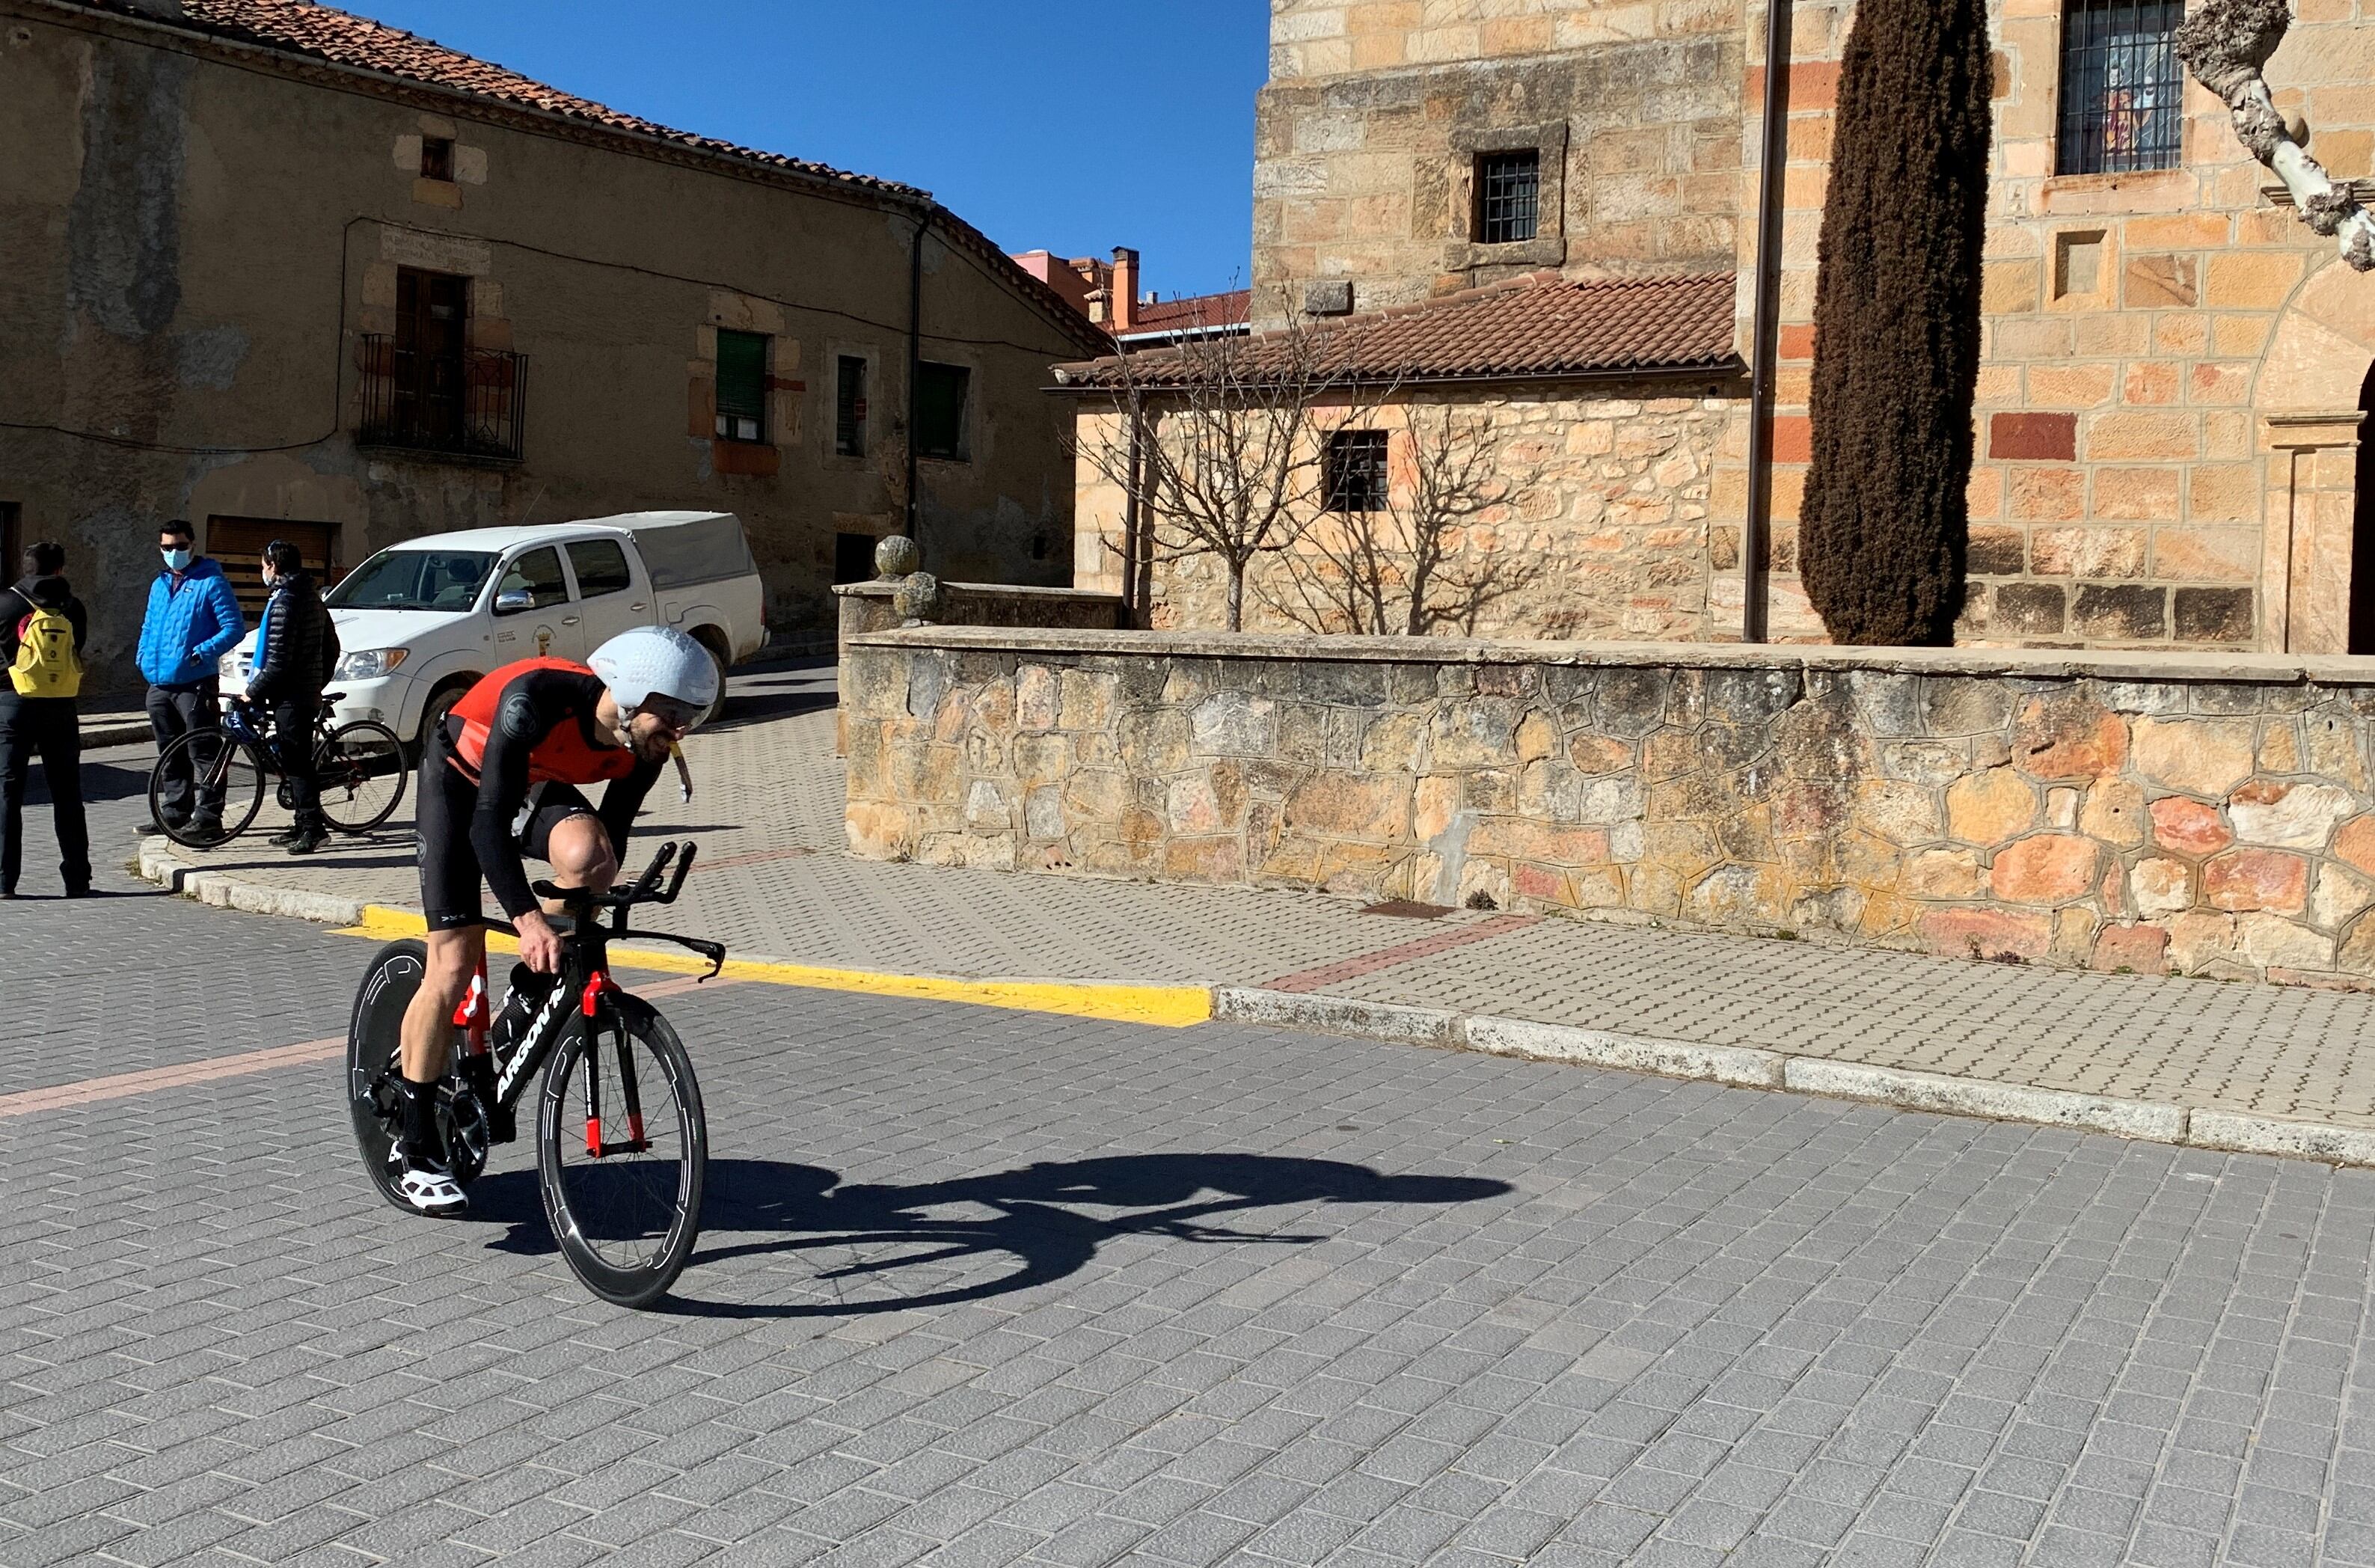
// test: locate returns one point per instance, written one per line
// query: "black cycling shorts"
(450, 874)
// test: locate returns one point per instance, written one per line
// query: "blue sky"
(1068, 128)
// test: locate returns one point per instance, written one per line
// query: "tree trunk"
(1236, 595)
(1896, 316)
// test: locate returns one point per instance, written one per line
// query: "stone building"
(283, 270)
(2175, 369)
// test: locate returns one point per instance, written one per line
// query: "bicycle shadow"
(1035, 1217)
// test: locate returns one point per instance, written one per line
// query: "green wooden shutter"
(741, 385)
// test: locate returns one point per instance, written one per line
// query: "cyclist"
(498, 781)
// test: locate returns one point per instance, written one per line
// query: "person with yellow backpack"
(42, 628)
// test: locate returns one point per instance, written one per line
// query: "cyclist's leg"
(454, 959)
(565, 833)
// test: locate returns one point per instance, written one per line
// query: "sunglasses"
(672, 714)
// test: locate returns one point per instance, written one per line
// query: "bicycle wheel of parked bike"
(220, 770)
(360, 768)
(621, 1152)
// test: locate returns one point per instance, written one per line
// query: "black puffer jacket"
(297, 649)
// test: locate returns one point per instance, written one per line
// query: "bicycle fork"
(598, 986)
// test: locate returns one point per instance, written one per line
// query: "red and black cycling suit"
(501, 772)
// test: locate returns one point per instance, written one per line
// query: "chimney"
(1095, 303)
(1125, 290)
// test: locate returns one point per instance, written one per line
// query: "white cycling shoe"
(428, 1186)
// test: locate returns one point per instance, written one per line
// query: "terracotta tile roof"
(1230, 309)
(340, 38)
(1540, 326)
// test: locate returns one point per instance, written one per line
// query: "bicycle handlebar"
(645, 889)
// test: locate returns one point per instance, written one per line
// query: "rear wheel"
(622, 1152)
(374, 1058)
(220, 770)
(358, 769)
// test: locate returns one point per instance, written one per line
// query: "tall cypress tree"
(1884, 524)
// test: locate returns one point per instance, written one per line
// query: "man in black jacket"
(33, 722)
(295, 650)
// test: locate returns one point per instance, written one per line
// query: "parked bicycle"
(358, 766)
(626, 1211)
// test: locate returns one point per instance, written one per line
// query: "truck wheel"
(708, 641)
(441, 703)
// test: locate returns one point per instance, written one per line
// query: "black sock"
(418, 1118)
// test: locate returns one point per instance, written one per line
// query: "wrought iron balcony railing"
(472, 403)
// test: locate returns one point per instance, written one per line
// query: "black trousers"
(47, 727)
(173, 712)
(292, 737)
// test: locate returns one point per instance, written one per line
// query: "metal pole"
(915, 375)
(1755, 536)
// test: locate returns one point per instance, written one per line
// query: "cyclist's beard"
(651, 745)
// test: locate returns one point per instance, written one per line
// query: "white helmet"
(635, 665)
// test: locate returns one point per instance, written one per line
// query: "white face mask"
(178, 560)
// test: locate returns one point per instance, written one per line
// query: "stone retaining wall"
(2143, 812)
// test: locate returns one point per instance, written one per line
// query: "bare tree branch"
(2225, 44)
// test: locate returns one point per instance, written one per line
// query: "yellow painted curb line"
(1164, 1006)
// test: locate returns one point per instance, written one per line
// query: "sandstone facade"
(1603, 532)
(2176, 369)
(2148, 813)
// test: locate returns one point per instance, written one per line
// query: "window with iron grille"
(1508, 196)
(1354, 473)
(741, 385)
(2122, 87)
(849, 409)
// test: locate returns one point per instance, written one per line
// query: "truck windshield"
(414, 580)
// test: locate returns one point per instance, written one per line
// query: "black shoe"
(82, 893)
(152, 827)
(205, 827)
(309, 838)
(286, 836)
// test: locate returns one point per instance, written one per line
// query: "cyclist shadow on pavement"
(1013, 1229)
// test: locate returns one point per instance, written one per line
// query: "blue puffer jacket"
(188, 627)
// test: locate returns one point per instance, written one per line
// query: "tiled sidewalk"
(775, 882)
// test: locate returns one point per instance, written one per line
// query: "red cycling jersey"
(563, 755)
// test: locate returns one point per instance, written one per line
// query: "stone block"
(2162, 282)
(2288, 815)
(1986, 808)
(1085, 698)
(1997, 552)
(1232, 723)
(1354, 806)
(1479, 731)
(2114, 813)
(2161, 886)
(2049, 868)
(2033, 437)
(2068, 735)
(2001, 935)
(2256, 880)
(2214, 614)
(2121, 613)
(2028, 609)
(2201, 756)
(2141, 949)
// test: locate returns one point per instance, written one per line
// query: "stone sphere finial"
(896, 556)
(918, 599)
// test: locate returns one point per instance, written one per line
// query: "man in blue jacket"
(192, 621)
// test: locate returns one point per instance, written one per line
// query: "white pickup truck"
(420, 621)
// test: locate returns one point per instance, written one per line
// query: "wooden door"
(237, 543)
(432, 320)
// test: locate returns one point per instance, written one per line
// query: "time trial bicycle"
(620, 1180)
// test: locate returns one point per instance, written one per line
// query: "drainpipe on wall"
(1756, 532)
(914, 373)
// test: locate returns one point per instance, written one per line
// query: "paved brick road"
(983, 1287)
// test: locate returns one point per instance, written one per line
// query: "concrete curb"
(1736, 1065)
(220, 889)
(115, 732)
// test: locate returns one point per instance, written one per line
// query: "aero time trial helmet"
(657, 661)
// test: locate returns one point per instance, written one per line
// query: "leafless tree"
(1401, 569)
(1217, 446)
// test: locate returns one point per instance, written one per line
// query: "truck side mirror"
(512, 601)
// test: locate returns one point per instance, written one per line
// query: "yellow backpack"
(46, 664)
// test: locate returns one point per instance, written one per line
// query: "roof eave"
(1728, 365)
